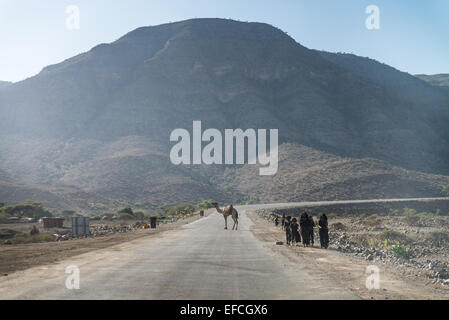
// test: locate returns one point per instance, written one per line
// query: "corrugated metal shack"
(53, 222)
(80, 226)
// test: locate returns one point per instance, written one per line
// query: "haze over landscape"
(92, 133)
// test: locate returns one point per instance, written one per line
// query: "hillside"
(90, 175)
(94, 130)
(306, 174)
(441, 80)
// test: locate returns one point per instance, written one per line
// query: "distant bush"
(126, 210)
(26, 238)
(391, 235)
(205, 204)
(425, 215)
(400, 251)
(179, 210)
(437, 237)
(126, 216)
(129, 214)
(338, 226)
(371, 242)
(166, 210)
(372, 220)
(29, 209)
(411, 219)
(331, 216)
(445, 191)
(408, 211)
(184, 208)
(4, 217)
(393, 212)
(139, 215)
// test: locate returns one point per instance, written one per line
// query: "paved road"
(199, 261)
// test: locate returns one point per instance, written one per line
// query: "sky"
(413, 34)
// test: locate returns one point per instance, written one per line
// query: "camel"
(228, 211)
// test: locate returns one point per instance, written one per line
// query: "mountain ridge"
(440, 80)
(133, 92)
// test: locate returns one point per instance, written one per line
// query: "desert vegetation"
(28, 209)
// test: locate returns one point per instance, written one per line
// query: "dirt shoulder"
(349, 272)
(24, 256)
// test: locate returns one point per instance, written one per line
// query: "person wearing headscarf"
(283, 221)
(304, 223)
(294, 226)
(288, 230)
(311, 231)
(324, 231)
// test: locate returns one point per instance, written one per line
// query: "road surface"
(201, 260)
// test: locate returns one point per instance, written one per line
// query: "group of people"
(304, 230)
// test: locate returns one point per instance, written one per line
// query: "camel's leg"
(226, 222)
(236, 223)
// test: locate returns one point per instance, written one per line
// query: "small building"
(80, 226)
(53, 222)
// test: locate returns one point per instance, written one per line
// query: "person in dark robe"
(283, 221)
(294, 226)
(288, 230)
(324, 231)
(304, 223)
(311, 230)
(276, 221)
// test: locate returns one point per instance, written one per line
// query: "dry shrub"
(391, 235)
(338, 226)
(372, 221)
(437, 237)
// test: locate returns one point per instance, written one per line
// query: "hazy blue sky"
(413, 35)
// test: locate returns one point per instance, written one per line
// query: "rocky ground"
(415, 246)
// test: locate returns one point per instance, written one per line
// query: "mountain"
(99, 122)
(306, 174)
(441, 80)
(98, 176)
(4, 84)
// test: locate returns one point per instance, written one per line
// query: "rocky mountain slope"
(97, 125)
(306, 174)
